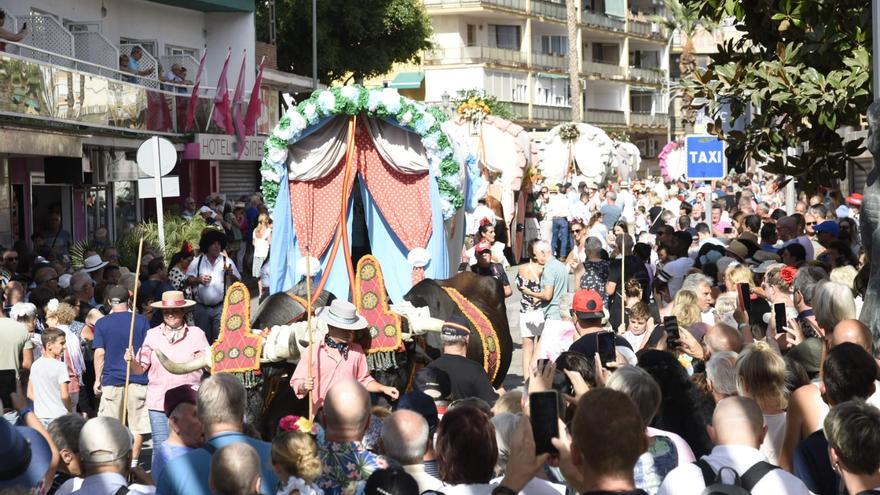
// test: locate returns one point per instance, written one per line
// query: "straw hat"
(342, 314)
(173, 299)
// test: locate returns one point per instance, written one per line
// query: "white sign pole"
(160, 215)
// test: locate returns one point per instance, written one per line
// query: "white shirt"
(674, 273)
(47, 375)
(772, 445)
(212, 293)
(688, 479)
(558, 206)
(109, 484)
(424, 480)
(579, 210)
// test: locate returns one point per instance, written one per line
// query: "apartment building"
(517, 50)
(72, 117)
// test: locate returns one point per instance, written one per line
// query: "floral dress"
(347, 465)
(528, 303)
(594, 277)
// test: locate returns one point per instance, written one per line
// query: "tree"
(574, 77)
(803, 67)
(355, 39)
(686, 19)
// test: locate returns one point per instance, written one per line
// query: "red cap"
(587, 304)
(482, 246)
(855, 199)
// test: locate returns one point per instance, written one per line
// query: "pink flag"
(222, 112)
(237, 106)
(194, 98)
(255, 105)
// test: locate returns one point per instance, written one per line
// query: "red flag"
(237, 106)
(194, 98)
(255, 105)
(222, 112)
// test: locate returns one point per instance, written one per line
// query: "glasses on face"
(576, 231)
(811, 223)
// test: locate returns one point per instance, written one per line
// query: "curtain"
(315, 156)
(402, 150)
(616, 8)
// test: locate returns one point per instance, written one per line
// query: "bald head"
(235, 470)
(853, 331)
(405, 437)
(737, 421)
(347, 409)
(723, 337)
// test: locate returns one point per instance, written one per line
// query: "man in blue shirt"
(554, 281)
(610, 211)
(111, 341)
(221, 409)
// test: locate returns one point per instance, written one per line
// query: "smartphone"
(728, 230)
(542, 363)
(24, 26)
(673, 336)
(779, 311)
(743, 292)
(605, 347)
(544, 416)
(7, 386)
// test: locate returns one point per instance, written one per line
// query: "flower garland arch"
(386, 103)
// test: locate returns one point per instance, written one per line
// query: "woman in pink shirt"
(179, 342)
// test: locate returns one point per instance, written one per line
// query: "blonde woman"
(760, 376)
(262, 241)
(296, 463)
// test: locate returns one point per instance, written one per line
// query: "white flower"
(446, 208)
(277, 156)
(406, 118)
(326, 101)
(454, 180)
(373, 100)
(297, 122)
(390, 99)
(286, 134)
(52, 305)
(310, 112)
(350, 92)
(425, 123)
(430, 142)
(269, 175)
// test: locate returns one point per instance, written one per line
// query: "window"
(606, 53)
(507, 37)
(641, 101)
(148, 45)
(172, 50)
(644, 59)
(471, 35)
(554, 45)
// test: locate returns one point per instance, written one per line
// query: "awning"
(550, 75)
(408, 80)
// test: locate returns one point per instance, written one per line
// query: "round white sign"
(154, 165)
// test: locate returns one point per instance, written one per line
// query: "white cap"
(104, 439)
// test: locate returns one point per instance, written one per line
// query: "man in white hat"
(336, 358)
(105, 449)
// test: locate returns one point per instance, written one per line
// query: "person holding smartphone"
(587, 308)
(9, 35)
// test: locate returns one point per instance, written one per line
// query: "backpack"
(742, 485)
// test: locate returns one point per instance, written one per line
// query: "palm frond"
(177, 230)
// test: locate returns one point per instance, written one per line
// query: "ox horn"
(292, 347)
(195, 364)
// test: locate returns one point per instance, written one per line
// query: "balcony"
(602, 21)
(38, 90)
(605, 117)
(517, 5)
(648, 120)
(549, 62)
(475, 55)
(646, 29)
(547, 8)
(604, 70)
(546, 113)
(652, 76)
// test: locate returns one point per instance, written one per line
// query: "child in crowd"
(49, 379)
(637, 333)
(296, 463)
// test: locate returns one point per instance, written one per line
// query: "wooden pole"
(622, 283)
(137, 277)
(309, 324)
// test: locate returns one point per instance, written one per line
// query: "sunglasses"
(575, 231)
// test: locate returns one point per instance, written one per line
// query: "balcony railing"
(546, 113)
(520, 110)
(646, 29)
(648, 120)
(550, 62)
(605, 117)
(475, 54)
(34, 89)
(99, 53)
(604, 70)
(548, 8)
(147, 62)
(602, 21)
(47, 40)
(654, 76)
(519, 5)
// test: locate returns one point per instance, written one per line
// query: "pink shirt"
(162, 380)
(328, 369)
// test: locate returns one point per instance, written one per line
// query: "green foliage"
(499, 108)
(804, 67)
(177, 230)
(362, 39)
(684, 16)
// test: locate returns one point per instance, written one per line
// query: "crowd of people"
(693, 338)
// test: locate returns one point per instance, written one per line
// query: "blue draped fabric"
(384, 245)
